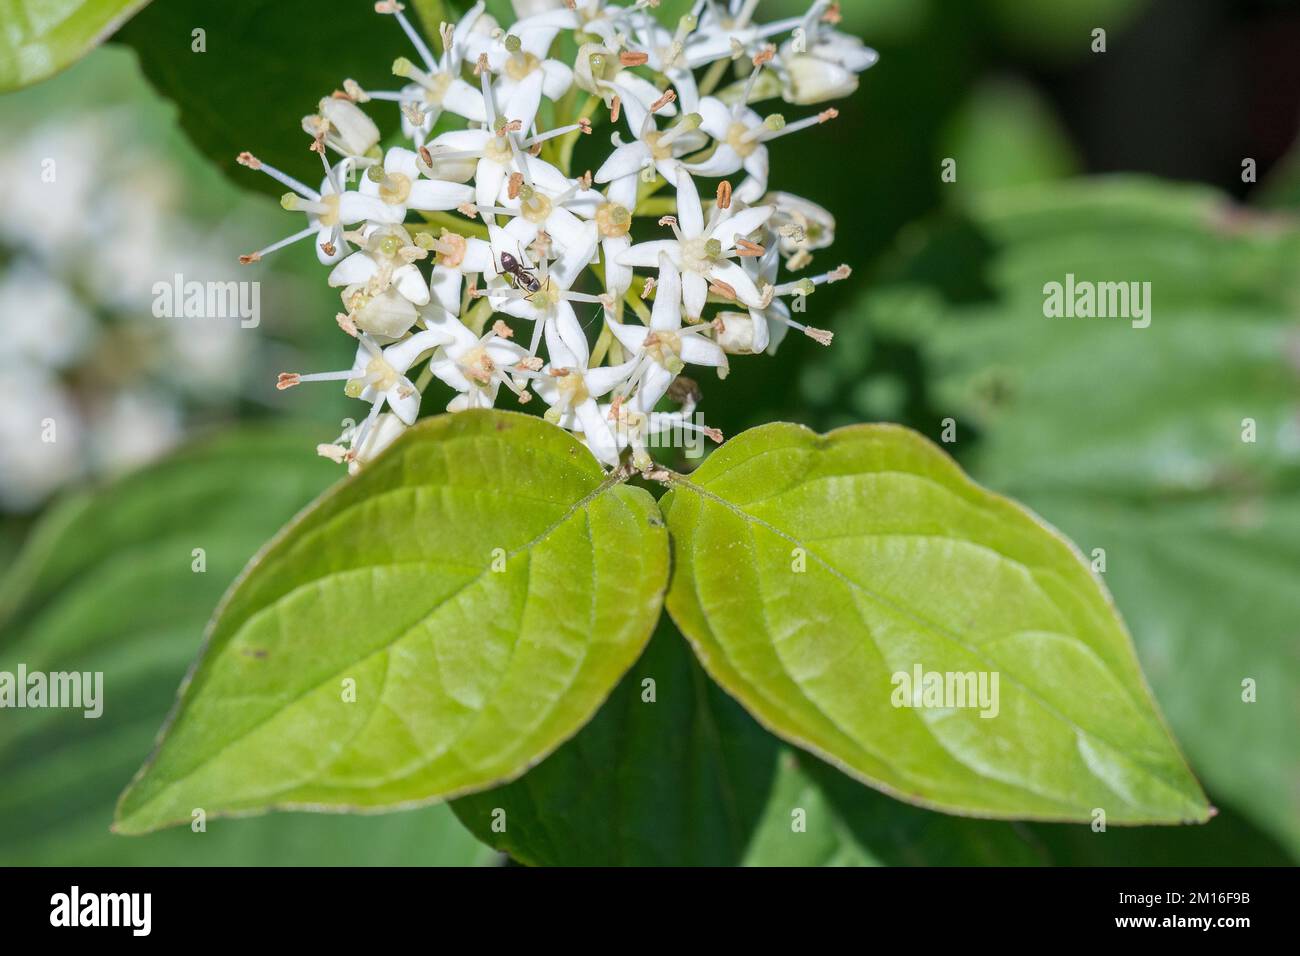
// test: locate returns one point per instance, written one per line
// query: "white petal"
(557, 79)
(740, 225)
(410, 283)
(641, 90)
(565, 322)
(697, 350)
(407, 352)
(618, 277)
(434, 195)
(524, 99)
(504, 353)
(521, 232)
(716, 115)
(695, 295)
(645, 255)
(738, 279)
(358, 267)
(461, 141)
(355, 207)
(570, 232)
(623, 191)
(465, 100)
(595, 428)
(762, 336)
(632, 337)
(667, 313)
(478, 256)
(444, 285)
(689, 213)
(323, 238)
(626, 161)
(449, 372)
(601, 381)
(574, 258)
(561, 353)
(757, 165)
(653, 385)
(547, 389)
(401, 160)
(404, 400)
(546, 176)
(488, 178)
(723, 162)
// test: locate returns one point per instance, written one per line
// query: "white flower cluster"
(507, 231)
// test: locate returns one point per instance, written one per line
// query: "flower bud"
(737, 335)
(387, 315)
(356, 131)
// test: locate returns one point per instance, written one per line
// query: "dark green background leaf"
(268, 63)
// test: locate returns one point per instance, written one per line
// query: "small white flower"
(551, 302)
(724, 32)
(475, 366)
(763, 328)
(386, 314)
(438, 87)
(635, 429)
(653, 149)
(607, 73)
(398, 183)
(571, 389)
(801, 227)
(387, 259)
(328, 211)
(702, 251)
(664, 348)
(522, 53)
(378, 376)
(546, 200)
(742, 137)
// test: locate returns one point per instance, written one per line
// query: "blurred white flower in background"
(91, 382)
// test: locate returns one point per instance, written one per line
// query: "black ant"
(523, 277)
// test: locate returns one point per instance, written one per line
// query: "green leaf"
(267, 64)
(41, 37)
(907, 564)
(481, 587)
(106, 583)
(1131, 440)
